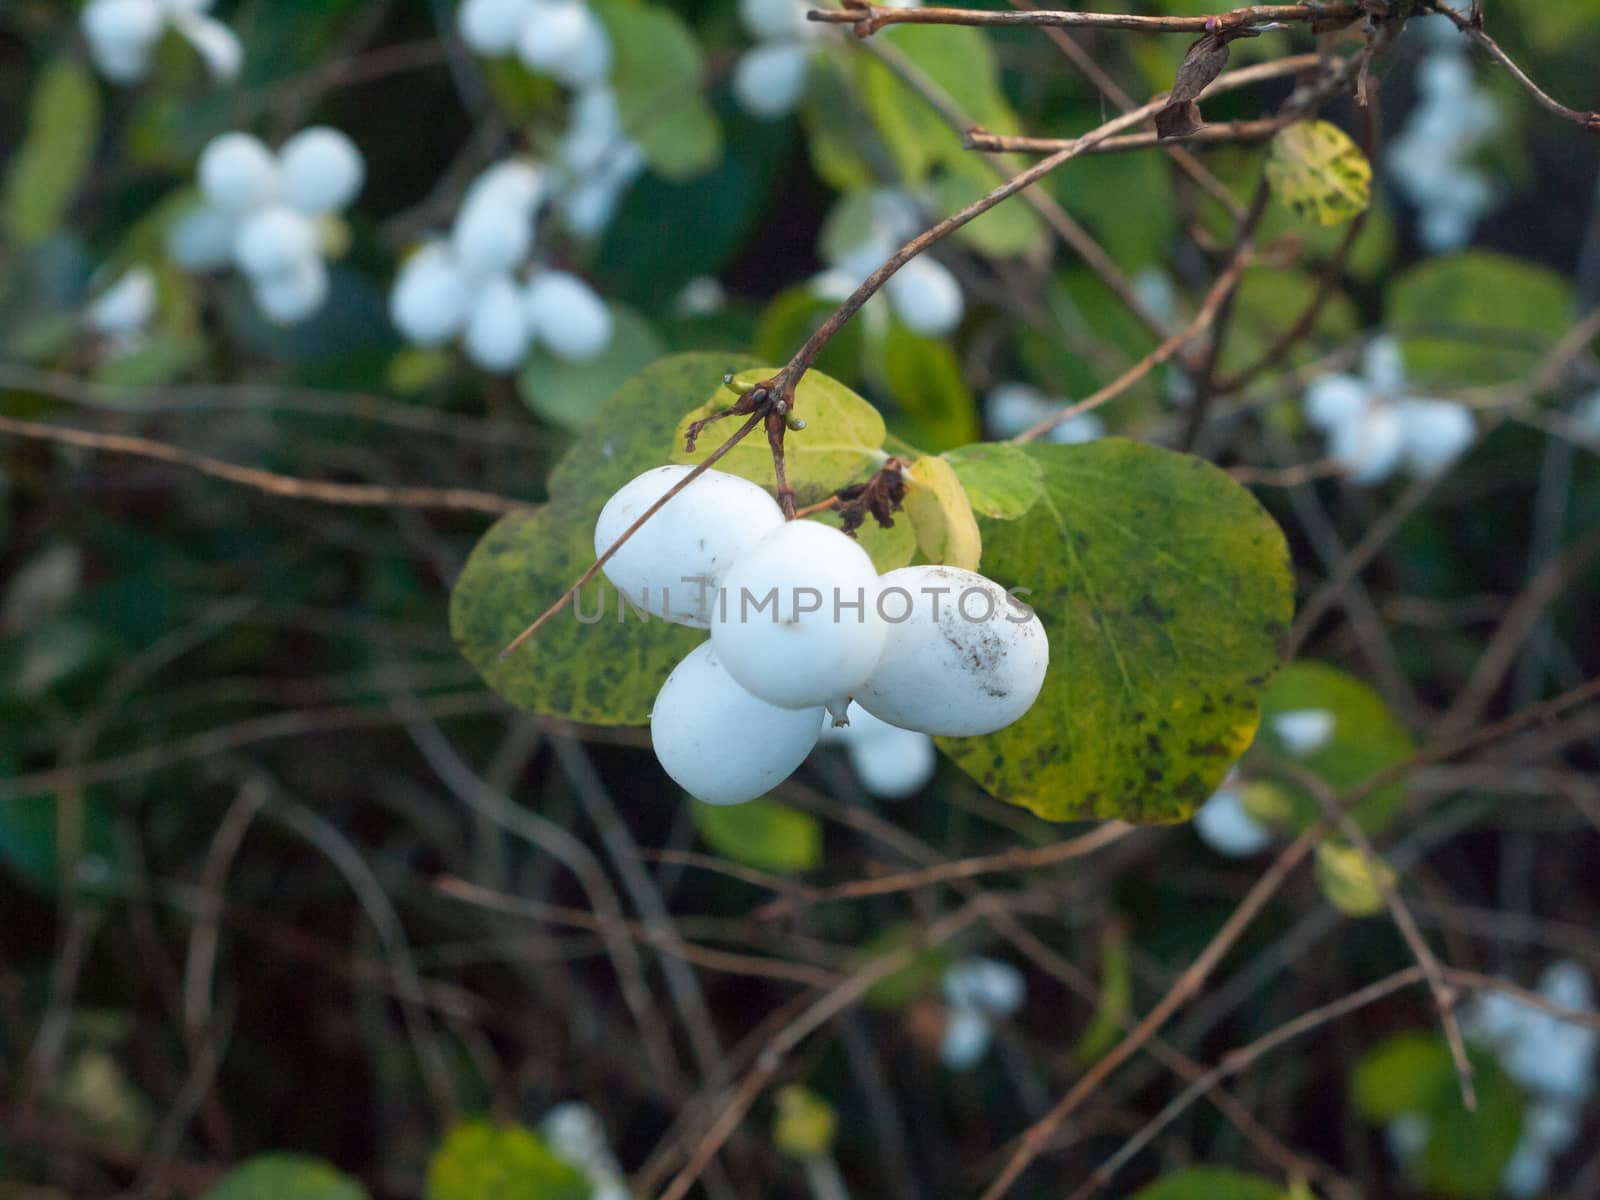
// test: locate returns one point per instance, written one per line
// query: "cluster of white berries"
(122, 312)
(575, 1135)
(770, 77)
(1552, 1059)
(978, 992)
(1431, 159)
(1225, 822)
(890, 763)
(560, 38)
(924, 294)
(123, 35)
(264, 213)
(597, 162)
(801, 624)
(1011, 408)
(1373, 427)
(476, 284)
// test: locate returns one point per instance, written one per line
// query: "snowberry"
(430, 299)
(513, 184)
(1304, 731)
(589, 206)
(961, 657)
(926, 297)
(202, 239)
(490, 236)
(218, 46)
(274, 241)
(1334, 401)
(567, 316)
(697, 535)
(121, 35)
(985, 984)
(774, 19)
(1437, 432)
(1370, 447)
(594, 125)
(124, 309)
(490, 27)
(720, 743)
(497, 334)
(290, 296)
(797, 620)
(967, 1037)
(322, 170)
(1014, 407)
(238, 172)
(1227, 827)
(565, 39)
(890, 762)
(769, 80)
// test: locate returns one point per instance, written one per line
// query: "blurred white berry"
(490, 27)
(293, 295)
(1304, 731)
(202, 239)
(985, 984)
(121, 35)
(273, 241)
(322, 170)
(497, 334)
(566, 315)
(926, 297)
(967, 1036)
(1225, 825)
(769, 20)
(430, 298)
(769, 79)
(891, 763)
(490, 236)
(238, 172)
(123, 310)
(565, 39)
(218, 46)
(1437, 432)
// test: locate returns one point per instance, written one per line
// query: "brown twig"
(360, 495)
(867, 19)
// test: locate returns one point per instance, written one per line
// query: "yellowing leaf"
(941, 516)
(1321, 174)
(805, 1124)
(45, 173)
(761, 834)
(1352, 881)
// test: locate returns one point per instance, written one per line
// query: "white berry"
(491, 236)
(697, 535)
(292, 296)
(497, 332)
(202, 239)
(322, 170)
(926, 297)
(490, 27)
(961, 657)
(274, 241)
(430, 298)
(720, 743)
(769, 80)
(797, 620)
(567, 316)
(1437, 432)
(238, 172)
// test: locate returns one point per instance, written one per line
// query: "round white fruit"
(117, 27)
(292, 296)
(965, 659)
(490, 27)
(696, 536)
(1371, 446)
(567, 316)
(238, 172)
(772, 20)
(769, 80)
(797, 620)
(274, 241)
(553, 31)
(720, 743)
(890, 763)
(322, 170)
(1437, 432)
(491, 236)
(429, 302)
(497, 332)
(926, 297)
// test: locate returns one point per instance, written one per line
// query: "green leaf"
(924, 378)
(1001, 480)
(608, 672)
(792, 317)
(286, 1177)
(1466, 1152)
(570, 394)
(899, 989)
(657, 74)
(1352, 882)
(483, 1161)
(761, 834)
(1211, 1183)
(1366, 739)
(1477, 318)
(842, 440)
(46, 172)
(1164, 588)
(1116, 1000)
(939, 512)
(28, 837)
(1315, 169)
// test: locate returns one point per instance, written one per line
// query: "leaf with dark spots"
(1155, 581)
